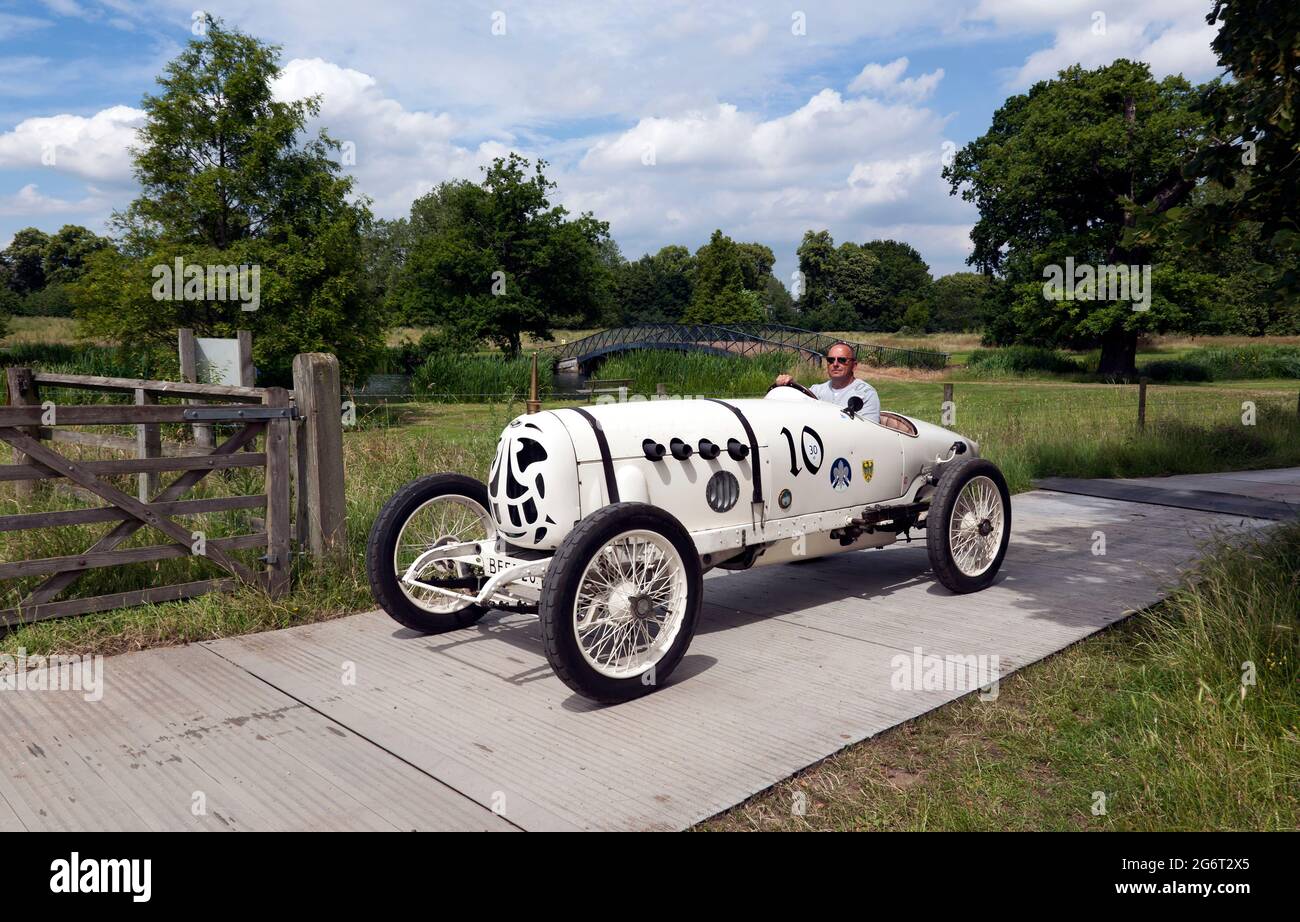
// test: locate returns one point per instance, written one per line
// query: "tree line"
(1100, 168)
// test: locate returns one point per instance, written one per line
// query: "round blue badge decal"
(841, 474)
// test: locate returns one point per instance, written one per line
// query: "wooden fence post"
(279, 559)
(190, 373)
(148, 443)
(23, 393)
(320, 449)
(1142, 404)
(247, 373)
(534, 404)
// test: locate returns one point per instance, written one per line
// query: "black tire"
(956, 474)
(560, 590)
(382, 544)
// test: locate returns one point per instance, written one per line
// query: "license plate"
(493, 565)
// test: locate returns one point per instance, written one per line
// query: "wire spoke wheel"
(630, 603)
(620, 601)
(448, 519)
(430, 511)
(976, 525)
(968, 524)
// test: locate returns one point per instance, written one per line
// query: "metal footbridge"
(730, 339)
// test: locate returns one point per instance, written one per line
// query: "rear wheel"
(968, 525)
(428, 512)
(620, 602)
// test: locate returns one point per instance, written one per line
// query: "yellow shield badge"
(868, 469)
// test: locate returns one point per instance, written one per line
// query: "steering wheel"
(796, 385)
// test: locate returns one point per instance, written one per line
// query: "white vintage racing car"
(602, 520)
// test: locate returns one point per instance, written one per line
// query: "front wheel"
(620, 602)
(430, 511)
(968, 525)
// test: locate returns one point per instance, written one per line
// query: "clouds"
(887, 80)
(665, 117)
(95, 148)
(857, 165)
(396, 154)
(1171, 35)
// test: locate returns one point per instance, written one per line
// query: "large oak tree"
(1064, 171)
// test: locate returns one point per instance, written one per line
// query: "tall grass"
(1020, 360)
(1186, 716)
(106, 361)
(702, 372)
(463, 378)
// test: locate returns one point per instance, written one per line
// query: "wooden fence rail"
(31, 427)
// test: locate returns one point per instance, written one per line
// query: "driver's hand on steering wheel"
(782, 380)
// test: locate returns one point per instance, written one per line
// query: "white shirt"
(856, 388)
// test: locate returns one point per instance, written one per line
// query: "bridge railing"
(742, 339)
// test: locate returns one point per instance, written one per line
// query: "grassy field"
(1154, 713)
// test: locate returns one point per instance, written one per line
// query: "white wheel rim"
(630, 604)
(449, 519)
(976, 527)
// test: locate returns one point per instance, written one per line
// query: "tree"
(66, 252)
(756, 261)
(24, 260)
(838, 284)
(778, 305)
(855, 281)
(901, 279)
(719, 294)
(962, 302)
(8, 299)
(500, 260)
(227, 180)
(655, 288)
(1063, 172)
(1254, 129)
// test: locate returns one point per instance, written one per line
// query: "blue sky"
(666, 119)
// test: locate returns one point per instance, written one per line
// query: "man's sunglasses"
(837, 359)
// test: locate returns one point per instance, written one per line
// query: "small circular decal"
(841, 474)
(785, 499)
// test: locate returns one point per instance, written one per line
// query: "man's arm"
(870, 403)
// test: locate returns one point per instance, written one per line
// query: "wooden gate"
(28, 426)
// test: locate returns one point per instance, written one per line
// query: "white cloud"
(887, 80)
(400, 154)
(1171, 35)
(92, 148)
(30, 202)
(12, 25)
(860, 167)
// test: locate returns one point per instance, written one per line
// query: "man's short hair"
(853, 351)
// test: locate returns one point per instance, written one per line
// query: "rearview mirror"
(855, 404)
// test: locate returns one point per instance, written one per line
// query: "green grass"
(1152, 712)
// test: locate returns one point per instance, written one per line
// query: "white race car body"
(789, 478)
(603, 519)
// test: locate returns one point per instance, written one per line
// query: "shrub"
(1256, 361)
(1019, 360)
(1168, 370)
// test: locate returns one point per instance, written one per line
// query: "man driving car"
(840, 364)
